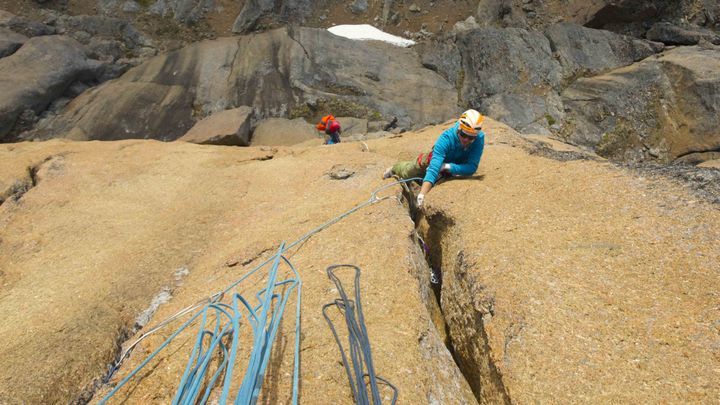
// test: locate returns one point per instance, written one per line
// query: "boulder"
(283, 132)
(672, 34)
(585, 51)
(24, 26)
(229, 127)
(37, 74)
(10, 42)
(466, 25)
(661, 108)
(352, 125)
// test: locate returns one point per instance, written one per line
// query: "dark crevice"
(21, 186)
(291, 34)
(455, 295)
(88, 392)
(124, 333)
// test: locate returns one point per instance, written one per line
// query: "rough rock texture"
(584, 51)
(662, 108)
(184, 11)
(281, 131)
(38, 73)
(443, 57)
(24, 26)
(10, 42)
(557, 289)
(681, 35)
(229, 127)
(276, 73)
(509, 74)
(352, 125)
(86, 250)
(293, 11)
(630, 16)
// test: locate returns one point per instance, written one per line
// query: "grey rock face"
(671, 34)
(22, 25)
(383, 77)
(37, 74)
(185, 11)
(10, 42)
(442, 56)
(510, 73)
(359, 6)
(274, 72)
(586, 51)
(527, 113)
(661, 108)
(279, 11)
(251, 12)
(506, 61)
(105, 28)
(631, 17)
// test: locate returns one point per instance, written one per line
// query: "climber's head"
(469, 126)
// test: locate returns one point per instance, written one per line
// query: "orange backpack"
(323, 122)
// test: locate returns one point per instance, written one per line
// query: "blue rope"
(264, 320)
(358, 342)
(212, 336)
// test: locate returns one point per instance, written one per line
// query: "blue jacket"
(448, 149)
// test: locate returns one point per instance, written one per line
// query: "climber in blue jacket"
(457, 152)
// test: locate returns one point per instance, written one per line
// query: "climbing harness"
(219, 323)
(358, 342)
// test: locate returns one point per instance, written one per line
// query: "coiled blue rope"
(210, 343)
(358, 341)
(264, 331)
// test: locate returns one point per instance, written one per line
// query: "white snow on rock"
(364, 32)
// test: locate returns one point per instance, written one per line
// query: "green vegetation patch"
(623, 138)
(336, 106)
(550, 119)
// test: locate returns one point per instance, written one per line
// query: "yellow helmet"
(471, 122)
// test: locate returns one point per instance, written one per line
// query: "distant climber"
(331, 126)
(457, 152)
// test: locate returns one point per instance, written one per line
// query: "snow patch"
(364, 32)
